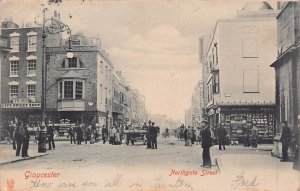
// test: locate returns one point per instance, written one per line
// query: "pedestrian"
(185, 137)
(285, 139)
(79, 134)
(189, 136)
(153, 136)
(72, 135)
(198, 136)
(12, 127)
(50, 135)
(254, 136)
(221, 133)
(148, 136)
(24, 134)
(18, 138)
(117, 138)
(206, 144)
(104, 133)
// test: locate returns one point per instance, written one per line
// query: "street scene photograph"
(149, 95)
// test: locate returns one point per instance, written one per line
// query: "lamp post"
(50, 26)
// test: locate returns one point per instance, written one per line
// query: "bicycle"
(5, 137)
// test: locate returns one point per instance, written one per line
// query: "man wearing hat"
(148, 136)
(206, 144)
(153, 135)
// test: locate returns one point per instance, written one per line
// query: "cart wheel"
(132, 142)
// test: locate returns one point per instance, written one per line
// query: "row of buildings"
(83, 88)
(251, 72)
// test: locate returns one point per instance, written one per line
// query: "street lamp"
(50, 26)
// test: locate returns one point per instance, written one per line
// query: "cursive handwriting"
(240, 181)
(115, 183)
(181, 183)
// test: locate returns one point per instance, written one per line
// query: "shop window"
(13, 92)
(31, 67)
(14, 68)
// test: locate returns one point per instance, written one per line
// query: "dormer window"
(72, 63)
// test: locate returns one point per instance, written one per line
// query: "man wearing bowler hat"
(206, 144)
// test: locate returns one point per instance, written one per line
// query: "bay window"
(71, 89)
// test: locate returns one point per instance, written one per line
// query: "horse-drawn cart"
(136, 134)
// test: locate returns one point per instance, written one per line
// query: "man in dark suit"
(153, 135)
(285, 139)
(148, 136)
(206, 144)
(221, 133)
(25, 140)
(50, 134)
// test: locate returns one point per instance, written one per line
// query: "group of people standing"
(152, 133)
(82, 133)
(20, 138)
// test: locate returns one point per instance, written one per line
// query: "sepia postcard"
(149, 95)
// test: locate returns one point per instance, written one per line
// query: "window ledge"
(29, 76)
(31, 50)
(13, 76)
(14, 51)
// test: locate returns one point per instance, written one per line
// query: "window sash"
(14, 43)
(68, 89)
(78, 90)
(13, 92)
(72, 62)
(31, 67)
(14, 68)
(31, 91)
(32, 41)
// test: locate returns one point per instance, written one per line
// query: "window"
(32, 40)
(101, 66)
(14, 68)
(68, 90)
(78, 90)
(13, 92)
(14, 43)
(216, 88)
(72, 63)
(31, 67)
(71, 89)
(31, 91)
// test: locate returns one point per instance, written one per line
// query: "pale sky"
(154, 43)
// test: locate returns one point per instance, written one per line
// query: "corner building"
(240, 83)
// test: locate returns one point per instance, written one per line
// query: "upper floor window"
(216, 84)
(32, 43)
(31, 67)
(72, 63)
(14, 68)
(31, 91)
(14, 43)
(13, 92)
(71, 89)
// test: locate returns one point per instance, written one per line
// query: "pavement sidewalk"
(8, 155)
(256, 169)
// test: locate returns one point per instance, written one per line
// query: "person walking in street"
(221, 133)
(104, 133)
(25, 140)
(206, 144)
(198, 136)
(285, 139)
(153, 136)
(72, 135)
(189, 136)
(148, 136)
(78, 134)
(50, 135)
(254, 136)
(12, 127)
(17, 137)
(185, 133)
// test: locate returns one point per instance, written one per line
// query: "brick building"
(21, 71)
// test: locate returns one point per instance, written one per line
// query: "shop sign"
(21, 105)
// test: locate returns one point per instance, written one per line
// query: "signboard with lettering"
(20, 105)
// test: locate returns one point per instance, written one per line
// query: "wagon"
(134, 135)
